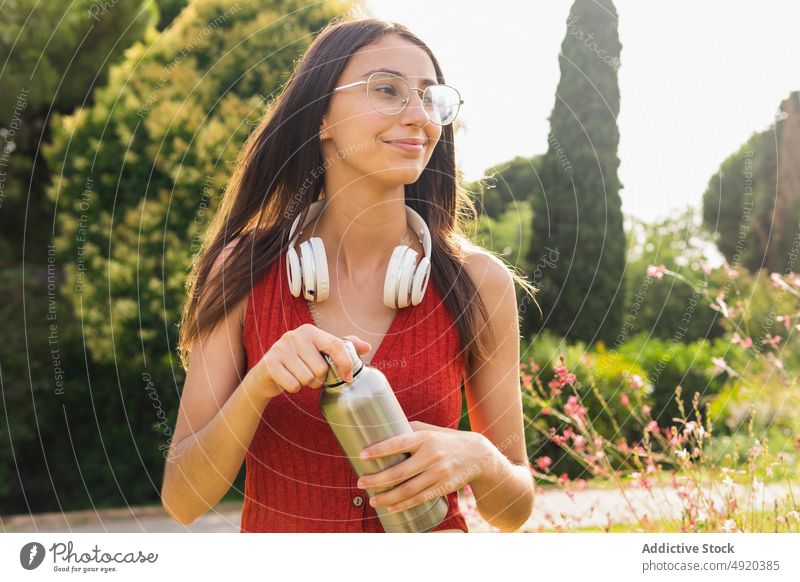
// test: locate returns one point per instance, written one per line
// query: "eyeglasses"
(390, 94)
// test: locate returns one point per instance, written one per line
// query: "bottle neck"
(340, 385)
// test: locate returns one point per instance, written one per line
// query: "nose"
(413, 111)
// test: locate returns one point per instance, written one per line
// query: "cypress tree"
(578, 241)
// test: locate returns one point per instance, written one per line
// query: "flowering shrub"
(607, 431)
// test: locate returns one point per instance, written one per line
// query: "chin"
(403, 174)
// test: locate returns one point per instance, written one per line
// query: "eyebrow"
(425, 82)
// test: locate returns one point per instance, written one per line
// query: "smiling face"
(356, 137)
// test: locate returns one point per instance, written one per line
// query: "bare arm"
(218, 416)
(202, 467)
(504, 491)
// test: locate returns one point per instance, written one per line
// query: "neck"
(360, 224)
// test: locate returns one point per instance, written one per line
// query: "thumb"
(419, 425)
(361, 346)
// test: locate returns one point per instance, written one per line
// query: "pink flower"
(719, 365)
(564, 376)
(652, 426)
(574, 409)
(544, 463)
(555, 387)
(786, 319)
(656, 271)
(563, 479)
(720, 305)
(770, 340)
(745, 343)
(646, 410)
(527, 379)
(624, 399)
(636, 381)
(730, 526)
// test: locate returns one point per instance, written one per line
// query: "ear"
(323, 129)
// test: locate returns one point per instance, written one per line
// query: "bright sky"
(696, 80)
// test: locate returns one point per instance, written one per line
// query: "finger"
(410, 493)
(284, 378)
(334, 347)
(401, 443)
(434, 490)
(316, 363)
(419, 425)
(361, 346)
(394, 475)
(300, 371)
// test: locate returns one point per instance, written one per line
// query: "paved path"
(554, 509)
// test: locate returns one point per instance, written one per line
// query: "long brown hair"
(269, 188)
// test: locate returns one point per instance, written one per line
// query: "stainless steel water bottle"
(362, 413)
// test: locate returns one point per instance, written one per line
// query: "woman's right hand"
(295, 360)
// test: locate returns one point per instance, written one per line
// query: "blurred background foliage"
(123, 142)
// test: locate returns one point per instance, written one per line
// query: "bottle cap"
(333, 377)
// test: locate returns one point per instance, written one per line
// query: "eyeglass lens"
(389, 94)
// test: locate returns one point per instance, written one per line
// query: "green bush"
(669, 364)
(601, 380)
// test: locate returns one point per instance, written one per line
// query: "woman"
(252, 348)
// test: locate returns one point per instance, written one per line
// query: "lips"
(409, 141)
(411, 145)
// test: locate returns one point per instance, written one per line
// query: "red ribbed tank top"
(298, 478)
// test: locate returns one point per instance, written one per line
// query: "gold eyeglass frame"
(419, 91)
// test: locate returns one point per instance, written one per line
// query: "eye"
(388, 89)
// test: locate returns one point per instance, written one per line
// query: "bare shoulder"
(239, 309)
(491, 276)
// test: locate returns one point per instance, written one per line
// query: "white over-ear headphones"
(405, 280)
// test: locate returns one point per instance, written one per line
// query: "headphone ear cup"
(321, 269)
(407, 265)
(309, 276)
(390, 284)
(421, 278)
(293, 273)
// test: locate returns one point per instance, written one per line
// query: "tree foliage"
(54, 54)
(137, 176)
(752, 203)
(577, 214)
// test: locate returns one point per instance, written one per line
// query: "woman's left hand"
(442, 460)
